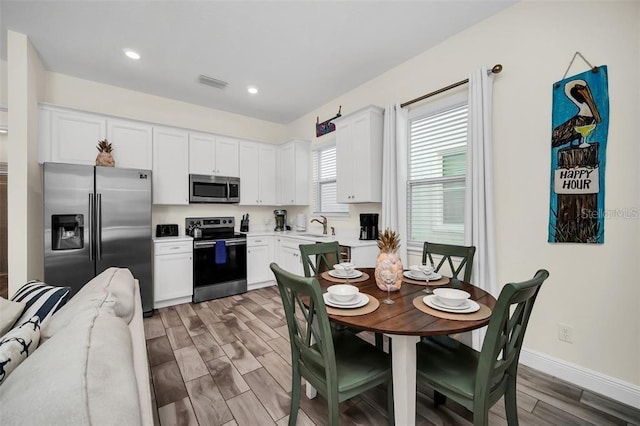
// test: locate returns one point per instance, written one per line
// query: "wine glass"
(389, 279)
(347, 266)
(427, 269)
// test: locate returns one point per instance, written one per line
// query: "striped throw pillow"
(41, 300)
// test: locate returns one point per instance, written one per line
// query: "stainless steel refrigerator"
(95, 218)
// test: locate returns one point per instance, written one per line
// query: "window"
(325, 191)
(436, 173)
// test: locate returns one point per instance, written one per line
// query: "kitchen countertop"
(177, 239)
(312, 237)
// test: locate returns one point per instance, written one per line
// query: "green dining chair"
(338, 365)
(463, 256)
(477, 380)
(320, 257)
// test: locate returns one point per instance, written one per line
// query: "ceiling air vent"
(213, 82)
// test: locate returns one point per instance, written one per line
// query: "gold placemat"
(360, 279)
(483, 313)
(434, 283)
(366, 309)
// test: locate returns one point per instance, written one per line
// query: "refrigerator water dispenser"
(68, 231)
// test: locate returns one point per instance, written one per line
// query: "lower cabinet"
(172, 272)
(259, 257)
(288, 254)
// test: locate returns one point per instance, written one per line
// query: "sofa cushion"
(83, 375)
(120, 283)
(9, 313)
(17, 345)
(41, 300)
(114, 287)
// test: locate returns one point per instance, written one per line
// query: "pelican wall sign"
(580, 125)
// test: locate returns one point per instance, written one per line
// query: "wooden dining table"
(405, 324)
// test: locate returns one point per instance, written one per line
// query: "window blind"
(325, 190)
(436, 175)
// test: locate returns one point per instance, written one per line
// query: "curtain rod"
(495, 70)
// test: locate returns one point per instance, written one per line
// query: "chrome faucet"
(323, 222)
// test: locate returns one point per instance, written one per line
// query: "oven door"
(219, 268)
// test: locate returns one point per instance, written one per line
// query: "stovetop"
(213, 228)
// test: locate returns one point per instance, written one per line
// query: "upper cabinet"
(293, 173)
(213, 155)
(170, 166)
(257, 174)
(68, 136)
(132, 143)
(359, 156)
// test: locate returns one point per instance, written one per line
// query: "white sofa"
(91, 365)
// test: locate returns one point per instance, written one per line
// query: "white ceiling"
(299, 54)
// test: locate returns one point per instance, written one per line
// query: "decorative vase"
(389, 262)
(105, 158)
(388, 259)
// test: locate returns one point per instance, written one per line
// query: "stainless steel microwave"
(214, 189)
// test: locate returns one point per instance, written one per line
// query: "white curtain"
(394, 175)
(479, 228)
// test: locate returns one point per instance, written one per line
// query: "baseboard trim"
(619, 390)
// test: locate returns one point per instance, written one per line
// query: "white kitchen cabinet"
(213, 155)
(257, 174)
(359, 156)
(293, 173)
(68, 136)
(72, 136)
(259, 257)
(132, 143)
(170, 166)
(288, 254)
(172, 271)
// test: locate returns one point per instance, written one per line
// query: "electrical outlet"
(565, 333)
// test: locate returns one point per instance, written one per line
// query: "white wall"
(593, 288)
(3, 114)
(24, 195)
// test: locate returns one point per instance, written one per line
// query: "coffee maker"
(369, 226)
(281, 220)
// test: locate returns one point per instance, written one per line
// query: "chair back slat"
(505, 333)
(311, 339)
(317, 258)
(462, 254)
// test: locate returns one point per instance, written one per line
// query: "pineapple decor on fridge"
(580, 123)
(105, 156)
(388, 260)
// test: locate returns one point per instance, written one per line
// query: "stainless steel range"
(219, 257)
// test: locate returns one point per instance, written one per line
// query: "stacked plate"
(468, 307)
(342, 274)
(420, 276)
(357, 302)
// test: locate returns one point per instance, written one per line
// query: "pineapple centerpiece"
(388, 259)
(105, 158)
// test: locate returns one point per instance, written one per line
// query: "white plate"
(438, 302)
(473, 306)
(421, 277)
(362, 299)
(336, 274)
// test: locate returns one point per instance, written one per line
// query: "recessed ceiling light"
(252, 90)
(132, 54)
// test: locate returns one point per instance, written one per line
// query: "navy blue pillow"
(41, 300)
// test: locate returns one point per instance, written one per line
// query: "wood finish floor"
(227, 362)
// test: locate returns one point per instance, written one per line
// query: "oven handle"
(208, 244)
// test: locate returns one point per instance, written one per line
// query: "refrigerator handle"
(91, 226)
(99, 227)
